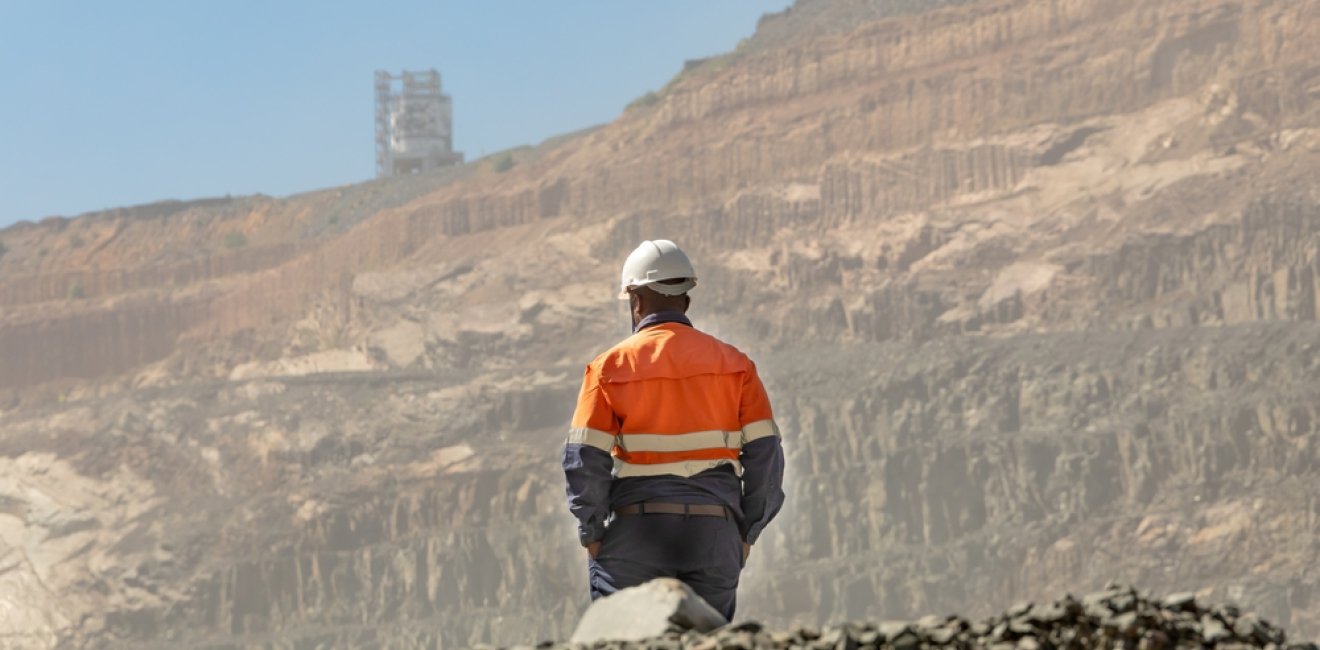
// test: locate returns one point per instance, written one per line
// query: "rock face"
(1033, 286)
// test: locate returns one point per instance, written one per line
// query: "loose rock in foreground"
(661, 606)
(1119, 617)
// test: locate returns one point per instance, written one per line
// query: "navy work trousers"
(704, 552)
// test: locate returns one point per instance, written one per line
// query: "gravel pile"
(1116, 618)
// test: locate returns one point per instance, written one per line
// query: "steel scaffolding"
(414, 124)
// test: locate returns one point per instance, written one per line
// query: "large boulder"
(660, 606)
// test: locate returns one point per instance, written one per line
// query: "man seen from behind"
(673, 461)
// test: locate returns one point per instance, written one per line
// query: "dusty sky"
(108, 104)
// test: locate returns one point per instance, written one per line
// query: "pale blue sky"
(106, 104)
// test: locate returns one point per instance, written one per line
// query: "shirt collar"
(662, 317)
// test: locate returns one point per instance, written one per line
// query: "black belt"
(685, 509)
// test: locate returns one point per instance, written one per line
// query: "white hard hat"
(654, 261)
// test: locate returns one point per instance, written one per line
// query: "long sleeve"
(762, 459)
(763, 480)
(588, 464)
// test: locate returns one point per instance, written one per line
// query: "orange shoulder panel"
(673, 379)
(670, 351)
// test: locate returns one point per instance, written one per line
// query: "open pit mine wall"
(892, 85)
(1186, 459)
(955, 475)
(1263, 267)
(99, 283)
(921, 479)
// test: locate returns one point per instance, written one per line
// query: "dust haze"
(1032, 286)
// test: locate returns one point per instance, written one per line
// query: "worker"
(673, 460)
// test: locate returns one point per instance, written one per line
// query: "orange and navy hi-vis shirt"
(682, 409)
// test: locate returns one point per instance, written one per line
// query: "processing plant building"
(414, 124)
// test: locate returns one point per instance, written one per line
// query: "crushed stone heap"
(1119, 617)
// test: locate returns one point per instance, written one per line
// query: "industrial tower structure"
(414, 126)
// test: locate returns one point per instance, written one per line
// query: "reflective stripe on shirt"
(678, 454)
(682, 441)
(689, 468)
(592, 437)
(631, 443)
(759, 429)
(662, 449)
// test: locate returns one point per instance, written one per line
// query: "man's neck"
(659, 317)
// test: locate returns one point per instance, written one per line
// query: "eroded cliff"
(1033, 285)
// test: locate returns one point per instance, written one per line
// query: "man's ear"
(687, 302)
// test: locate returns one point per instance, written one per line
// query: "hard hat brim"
(662, 288)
